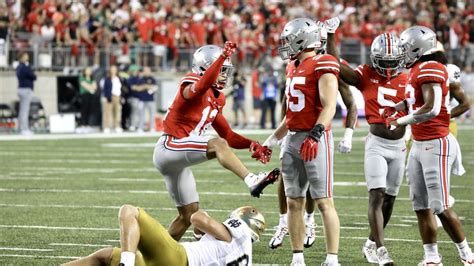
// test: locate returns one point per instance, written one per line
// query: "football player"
(345, 146)
(197, 106)
(144, 241)
(381, 84)
(307, 159)
(433, 151)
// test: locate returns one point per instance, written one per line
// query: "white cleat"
(370, 253)
(468, 260)
(330, 264)
(297, 264)
(383, 257)
(310, 235)
(431, 262)
(277, 239)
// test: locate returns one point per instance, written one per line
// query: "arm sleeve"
(235, 140)
(326, 64)
(209, 77)
(432, 72)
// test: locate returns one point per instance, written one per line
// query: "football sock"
(127, 258)
(250, 179)
(431, 251)
(283, 219)
(298, 257)
(309, 218)
(369, 243)
(332, 258)
(463, 248)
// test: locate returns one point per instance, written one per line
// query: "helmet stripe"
(389, 43)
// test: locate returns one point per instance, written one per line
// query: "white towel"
(458, 168)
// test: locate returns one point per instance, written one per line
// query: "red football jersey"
(302, 90)
(379, 92)
(422, 73)
(192, 117)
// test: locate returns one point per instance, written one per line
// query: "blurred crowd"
(144, 32)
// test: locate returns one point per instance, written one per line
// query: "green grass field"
(59, 200)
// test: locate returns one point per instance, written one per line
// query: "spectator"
(147, 100)
(48, 32)
(26, 77)
(238, 94)
(135, 87)
(112, 106)
(269, 85)
(87, 90)
(256, 97)
(3, 28)
(470, 42)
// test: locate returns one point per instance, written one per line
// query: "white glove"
(271, 141)
(345, 146)
(332, 24)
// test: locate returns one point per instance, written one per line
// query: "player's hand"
(388, 111)
(332, 24)
(309, 149)
(345, 146)
(271, 141)
(260, 153)
(391, 122)
(229, 49)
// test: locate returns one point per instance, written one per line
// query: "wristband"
(348, 133)
(317, 132)
(405, 120)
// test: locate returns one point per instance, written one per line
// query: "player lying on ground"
(198, 105)
(144, 241)
(433, 151)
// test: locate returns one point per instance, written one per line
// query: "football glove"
(260, 153)
(309, 148)
(388, 111)
(229, 49)
(332, 24)
(345, 146)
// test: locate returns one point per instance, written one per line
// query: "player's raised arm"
(347, 74)
(210, 75)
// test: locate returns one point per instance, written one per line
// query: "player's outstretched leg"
(218, 148)
(182, 221)
(100, 257)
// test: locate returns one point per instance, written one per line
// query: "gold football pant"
(453, 128)
(156, 246)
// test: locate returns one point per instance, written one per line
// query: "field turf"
(59, 200)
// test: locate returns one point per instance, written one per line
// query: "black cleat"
(266, 179)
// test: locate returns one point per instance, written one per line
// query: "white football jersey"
(210, 251)
(454, 75)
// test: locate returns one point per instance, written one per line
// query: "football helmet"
(386, 55)
(415, 42)
(253, 218)
(205, 56)
(297, 35)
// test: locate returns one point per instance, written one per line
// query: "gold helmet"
(253, 218)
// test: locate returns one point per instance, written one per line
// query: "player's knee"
(127, 211)
(325, 205)
(295, 204)
(437, 207)
(218, 144)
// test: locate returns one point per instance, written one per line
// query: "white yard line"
(26, 249)
(57, 227)
(78, 245)
(390, 224)
(39, 256)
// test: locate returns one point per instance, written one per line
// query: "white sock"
(127, 258)
(463, 248)
(250, 179)
(309, 218)
(431, 251)
(283, 219)
(298, 258)
(332, 258)
(369, 243)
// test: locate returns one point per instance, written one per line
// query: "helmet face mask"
(203, 59)
(253, 218)
(386, 55)
(298, 35)
(415, 42)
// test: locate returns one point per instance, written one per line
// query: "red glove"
(388, 111)
(229, 49)
(261, 153)
(309, 149)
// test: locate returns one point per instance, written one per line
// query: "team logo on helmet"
(253, 218)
